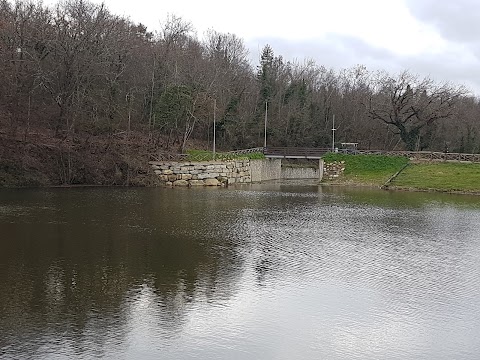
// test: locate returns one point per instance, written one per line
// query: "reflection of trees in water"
(58, 301)
(122, 262)
(81, 279)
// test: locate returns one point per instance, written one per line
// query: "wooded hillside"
(84, 82)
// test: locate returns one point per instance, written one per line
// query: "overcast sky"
(437, 38)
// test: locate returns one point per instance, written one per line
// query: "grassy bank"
(372, 170)
(376, 170)
(441, 176)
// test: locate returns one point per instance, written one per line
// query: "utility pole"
(151, 123)
(333, 133)
(214, 139)
(266, 112)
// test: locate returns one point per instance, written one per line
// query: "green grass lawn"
(205, 155)
(445, 176)
(367, 169)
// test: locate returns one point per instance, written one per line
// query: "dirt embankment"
(41, 159)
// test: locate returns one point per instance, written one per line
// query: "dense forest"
(89, 97)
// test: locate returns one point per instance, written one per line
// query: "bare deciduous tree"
(413, 106)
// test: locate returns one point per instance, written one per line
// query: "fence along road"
(318, 153)
(425, 155)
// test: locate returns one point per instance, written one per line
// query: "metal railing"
(247, 151)
(315, 153)
(298, 153)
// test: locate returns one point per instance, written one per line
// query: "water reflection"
(78, 262)
(268, 271)
(410, 269)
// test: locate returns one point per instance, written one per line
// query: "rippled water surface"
(263, 272)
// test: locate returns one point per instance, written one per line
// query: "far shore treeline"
(80, 81)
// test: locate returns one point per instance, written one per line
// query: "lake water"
(271, 271)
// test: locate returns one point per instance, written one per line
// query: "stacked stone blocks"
(209, 173)
(334, 169)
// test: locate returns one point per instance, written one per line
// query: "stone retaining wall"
(207, 173)
(334, 169)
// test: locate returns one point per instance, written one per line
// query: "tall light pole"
(333, 133)
(266, 116)
(214, 139)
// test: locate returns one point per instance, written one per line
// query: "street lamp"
(266, 115)
(214, 139)
(333, 133)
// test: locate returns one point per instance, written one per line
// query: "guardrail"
(315, 153)
(291, 152)
(247, 151)
(418, 155)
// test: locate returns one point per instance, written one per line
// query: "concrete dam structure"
(227, 172)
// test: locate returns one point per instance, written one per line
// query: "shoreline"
(400, 188)
(285, 182)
